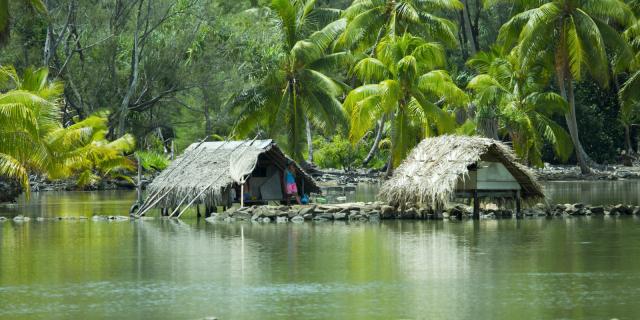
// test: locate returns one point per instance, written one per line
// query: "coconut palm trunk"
(565, 84)
(390, 160)
(627, 139)
(376, 142)
(309, 140)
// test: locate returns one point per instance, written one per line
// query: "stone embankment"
(375, 211)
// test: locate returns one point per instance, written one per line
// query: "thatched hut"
(443, 168)
(213, 174)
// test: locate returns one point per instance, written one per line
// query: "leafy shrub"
(153, 160)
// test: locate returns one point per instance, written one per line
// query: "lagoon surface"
(573, 268)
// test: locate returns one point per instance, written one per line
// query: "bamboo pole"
(195, 198)
(178, 206)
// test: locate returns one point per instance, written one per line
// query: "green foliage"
(32, 138)
(237, 69)
(408, 92)
(153, 161)
(337, 153)
(505, 93)
(299, 90)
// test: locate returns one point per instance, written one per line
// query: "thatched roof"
(206, 170)
(430, 174)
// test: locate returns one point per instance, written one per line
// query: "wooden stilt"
(518, 204)
(476, 205)
(242, 196)
(198, 211)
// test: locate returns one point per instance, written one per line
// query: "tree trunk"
(468, 28)
(565, 84)
(488, 127)
(208, 124)
(390, 160)
(566, 91)
(133, 78)
(309, 140)
(627, 139)
(376, 142)
(462, 37)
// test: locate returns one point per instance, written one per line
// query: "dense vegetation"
(338, 83)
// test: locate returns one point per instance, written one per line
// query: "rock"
(374, 215)
(332, 210)
(245, 216)
(306, 210)
(266, 219)
(40, 219)
(282, 220)
(326, 216)
(3, 218)
(578, 205)
(410, 213)
(9, 190)
(621, 209)
(341, 199)
(636, 210)
(21, 218)
(221, 216)
(339, 215)
(455, 212)
(387, 212)
(297, 219)
(319, 219)
(597, 210)
(308, 216)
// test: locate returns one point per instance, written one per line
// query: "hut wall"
(495, 176)
(265, 183)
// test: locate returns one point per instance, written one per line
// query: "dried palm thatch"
(430, 174)
(207, 170)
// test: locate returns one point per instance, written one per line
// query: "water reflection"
(525, 269)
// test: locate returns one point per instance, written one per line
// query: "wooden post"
(198, 211)
(242, 195)
(518, 204)
(476, 205)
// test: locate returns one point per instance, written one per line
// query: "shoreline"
(369, 212)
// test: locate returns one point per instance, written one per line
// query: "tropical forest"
(313, 159)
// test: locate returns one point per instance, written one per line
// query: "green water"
(583, 268)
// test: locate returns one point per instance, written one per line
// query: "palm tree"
(300, 90)
(629, 92)
(521, 105)
(576, 35)
(407, 88)
(82, 150)
(368, 21)
(32, 138)
(5, 16)
(28, 112)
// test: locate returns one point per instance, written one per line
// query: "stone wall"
(375, 211)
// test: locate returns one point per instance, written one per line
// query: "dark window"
(260, 172)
